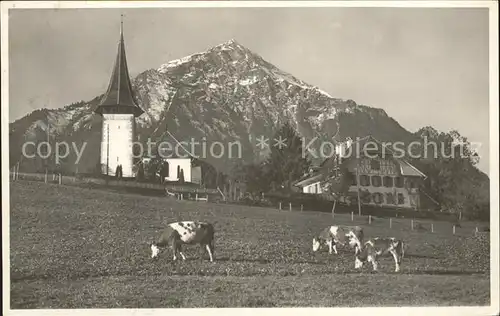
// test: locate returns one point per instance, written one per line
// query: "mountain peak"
(231, 42)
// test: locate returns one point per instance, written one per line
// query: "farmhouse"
(381, 178)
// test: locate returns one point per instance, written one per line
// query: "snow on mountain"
(225, 93)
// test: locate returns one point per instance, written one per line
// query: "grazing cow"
(356, 237)
(188, 233)
(333, 235)
(376, 247)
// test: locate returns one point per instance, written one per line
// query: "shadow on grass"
(266, 261)
(415, 256)
(447, 272)
(258, 260)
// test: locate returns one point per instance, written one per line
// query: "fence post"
(290, 205)
(352, 216)
(411, 224)
(477, 230)
(432, 227)
(301, 207)
(453, 229)
(369, 219)
(280, 206)
(196, 197)
(390, 222)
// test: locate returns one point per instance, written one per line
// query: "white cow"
(338, 235)
(185, 233)
(376, 247)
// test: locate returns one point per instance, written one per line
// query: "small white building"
(311, 184)
(176, 166)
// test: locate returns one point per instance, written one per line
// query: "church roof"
(172, 148)
(119, 92)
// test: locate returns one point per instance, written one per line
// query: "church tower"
(118, 110)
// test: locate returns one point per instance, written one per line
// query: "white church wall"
(121, 134)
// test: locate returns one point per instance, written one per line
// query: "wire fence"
(458, 228)
(180, 192)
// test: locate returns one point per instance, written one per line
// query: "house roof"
(408, 169)
(405, 168)
(119, 92)
(309, 180)
(171, 147)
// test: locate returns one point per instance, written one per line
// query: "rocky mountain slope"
(227, 93)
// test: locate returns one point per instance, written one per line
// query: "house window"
(411, 183)
(389, 198)
(376, 181)
(378, 198)
(401, 198)
(354, 181)
(388, 183)
(375, 164)
(364, 180)
(353, 199)
(399, 182)
(366, 197)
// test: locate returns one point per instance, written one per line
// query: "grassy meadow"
(76, 247)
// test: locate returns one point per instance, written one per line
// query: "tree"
(452, 178)
(286, 164)
(140, 172)
(164, 171)
(253, 175)
(336, 181)
(181, 176)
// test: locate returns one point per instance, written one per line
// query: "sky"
(423, 66)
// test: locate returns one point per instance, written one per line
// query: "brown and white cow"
(374, 248)
(185, 233)
(339, 235)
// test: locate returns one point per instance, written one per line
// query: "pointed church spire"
(119, 97)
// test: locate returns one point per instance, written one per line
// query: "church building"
(118, 109)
